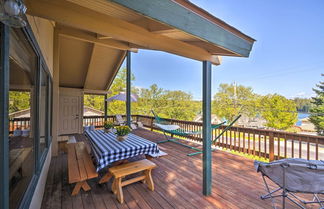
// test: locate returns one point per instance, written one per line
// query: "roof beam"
(153, 26)
(90, 67)
(91, 38)
(190, 22)
(73, 15)
(101, 37)
(116, 69)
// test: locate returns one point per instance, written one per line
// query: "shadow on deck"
(178, 183)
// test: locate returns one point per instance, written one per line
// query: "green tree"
(180, 105)
(114, 107)
(149, 99)
(18, 100)
(278, 111)
(119, 85)
(317, 111)
(94, 101)
(303, 104)
(231, 100)
(168, 104)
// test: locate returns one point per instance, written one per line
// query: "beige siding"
(39, 190)
(44, 32)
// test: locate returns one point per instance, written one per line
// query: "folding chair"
(293, 176)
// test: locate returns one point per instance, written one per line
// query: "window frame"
(39, 158)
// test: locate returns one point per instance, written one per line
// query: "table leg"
(82, 184)
(148, 157)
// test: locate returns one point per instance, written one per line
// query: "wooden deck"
(178, 183)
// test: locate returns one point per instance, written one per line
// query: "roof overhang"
(100, 29)
(191, 22)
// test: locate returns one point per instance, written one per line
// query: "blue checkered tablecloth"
(107, 149)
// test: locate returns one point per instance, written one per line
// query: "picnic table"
(108, 150)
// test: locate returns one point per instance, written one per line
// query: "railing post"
(152, 120)
(271, 146)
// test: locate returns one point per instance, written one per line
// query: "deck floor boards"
(178, 183)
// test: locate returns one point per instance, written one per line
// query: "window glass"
(43, 110)
(23, 68)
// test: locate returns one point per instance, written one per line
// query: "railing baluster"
(265, 146)
(285, 154)
(260, 145)
(231, 139)
(308, 148)
(253, 143)
(235, 145)
(248, 138)
(316, 150)
(292, 148)
(244, 142)
(278, 146)
(300, 147)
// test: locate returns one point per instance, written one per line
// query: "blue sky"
(288, 57)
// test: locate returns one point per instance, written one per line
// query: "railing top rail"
(245, 129)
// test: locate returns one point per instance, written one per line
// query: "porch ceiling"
(109, 27)
(88, 65)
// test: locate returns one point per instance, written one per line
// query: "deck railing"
(18, 123)
(268, 144)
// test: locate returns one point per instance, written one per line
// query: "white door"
(69, 114)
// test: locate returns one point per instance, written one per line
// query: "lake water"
(300, 117)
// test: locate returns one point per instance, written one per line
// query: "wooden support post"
(271, 146)
(128, 88)
(4, 106)
(106, 108)
(207, 160)
(56, 94)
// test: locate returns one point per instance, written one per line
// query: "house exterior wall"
(44, 33)
(37, 198)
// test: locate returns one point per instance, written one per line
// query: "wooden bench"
(120, 171)
(80, 167)
(20, 161)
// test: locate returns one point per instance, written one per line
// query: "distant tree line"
(303, 104)
(232, 100)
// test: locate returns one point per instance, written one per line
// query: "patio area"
(177, 183)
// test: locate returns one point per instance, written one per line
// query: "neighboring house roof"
(95, 35)
(89, 111)
(20, 114)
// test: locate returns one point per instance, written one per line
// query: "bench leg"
(113, 187)
(105, 178)
(149, 179)
(118, 187)
(83, 184)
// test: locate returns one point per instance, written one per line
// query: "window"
(43, 110)
(28, 135)
(22, 109)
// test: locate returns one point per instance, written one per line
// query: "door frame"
(73, 92)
